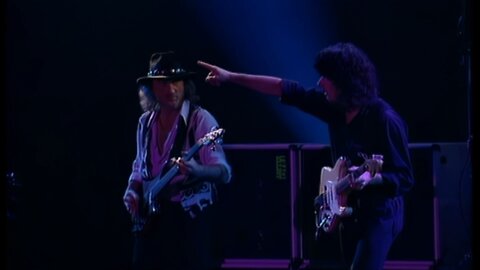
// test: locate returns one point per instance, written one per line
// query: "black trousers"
(173, 240)
(368, 240)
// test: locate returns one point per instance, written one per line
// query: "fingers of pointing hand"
(215, 76)
(212, 79)
(206, 65)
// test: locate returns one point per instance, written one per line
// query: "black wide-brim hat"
(165, 66)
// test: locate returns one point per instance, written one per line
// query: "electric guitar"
(335, 186)
(148, 206)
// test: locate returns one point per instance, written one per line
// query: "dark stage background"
(71, 103)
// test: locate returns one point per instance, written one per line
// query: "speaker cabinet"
(256, 206)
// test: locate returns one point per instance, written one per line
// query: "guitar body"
(141, 220)
(148, 205)
(332, 200)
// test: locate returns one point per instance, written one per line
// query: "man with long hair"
(361, 125)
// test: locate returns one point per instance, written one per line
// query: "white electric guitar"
(335, 186)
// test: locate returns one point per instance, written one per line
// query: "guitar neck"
(192, 151)
(161, 182)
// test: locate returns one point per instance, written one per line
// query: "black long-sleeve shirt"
(377, 129)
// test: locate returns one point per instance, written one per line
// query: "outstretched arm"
(264, 84)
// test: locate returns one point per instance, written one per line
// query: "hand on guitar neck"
(366, 178)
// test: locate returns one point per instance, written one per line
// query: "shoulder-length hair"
(351, 71)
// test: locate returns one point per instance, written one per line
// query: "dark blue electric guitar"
(148, 206)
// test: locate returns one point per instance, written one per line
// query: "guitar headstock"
(213, 136)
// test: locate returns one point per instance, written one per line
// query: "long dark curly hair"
(351, 71)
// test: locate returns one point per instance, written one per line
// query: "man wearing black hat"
(173, 182)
